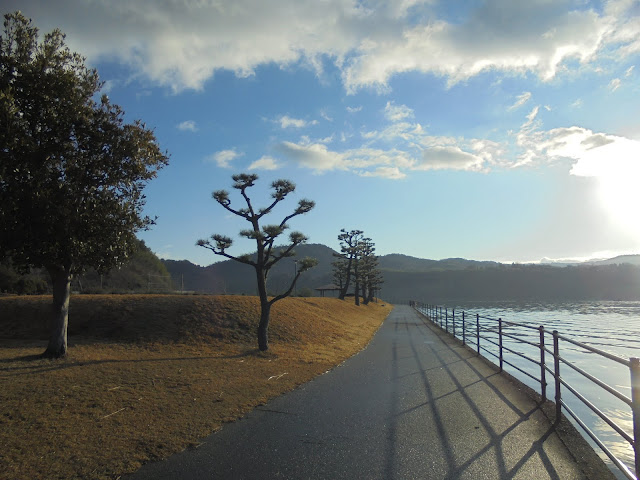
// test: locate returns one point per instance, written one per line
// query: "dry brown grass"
(151, 375)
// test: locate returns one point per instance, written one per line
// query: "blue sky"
(492, 130)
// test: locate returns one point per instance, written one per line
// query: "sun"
(620, 197)
(616, 166)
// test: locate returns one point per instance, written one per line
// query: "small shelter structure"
(331, 287)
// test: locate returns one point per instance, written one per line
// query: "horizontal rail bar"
(597, 381)
(490, 341)
(489, 352)
(521, 355)
(517, 324)
(598, 412)
(610, 356)
(520, 340)
(522, 371)
(623, 468)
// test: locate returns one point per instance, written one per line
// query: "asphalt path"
(413, 404)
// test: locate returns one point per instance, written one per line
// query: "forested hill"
(232, 277)
(409, 278)
(143, 273)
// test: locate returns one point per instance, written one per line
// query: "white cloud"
(315, 156)
(614, 84)
(265, 163)
(396, 113)
(362, 161)
(577, 104)
(392, 173)
(448, 158)
(187, 125)
(521, 100)
(108, 85)
(286, 121)
(499, 35)
(354, 109)
(182, 44)
(326, 116)
(629, 71)
(224, 158)
(531, 120)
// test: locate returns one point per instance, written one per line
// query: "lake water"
(610, 326)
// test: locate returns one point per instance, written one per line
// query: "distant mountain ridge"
(406, 263)
(619, 260)
(410, 278)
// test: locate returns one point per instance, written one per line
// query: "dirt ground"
(150, 375)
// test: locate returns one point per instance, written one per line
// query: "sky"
(500, 130)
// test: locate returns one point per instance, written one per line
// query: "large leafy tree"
(266, 255)
(72, 171)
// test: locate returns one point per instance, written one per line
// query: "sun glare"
(616, 165)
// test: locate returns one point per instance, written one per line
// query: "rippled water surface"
(613, 327)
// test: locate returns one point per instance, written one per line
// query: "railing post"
(556, 370)
(446, 319)
(453, 322)
(440, 317)
(634, 368)
(478, 332)
(543, 370)
(464, 338)
(500, 341)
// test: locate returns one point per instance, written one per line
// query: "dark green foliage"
(72, 171)
(230, 277)
(305, 292)
(143, 272)
(357, 263)
(31, 283)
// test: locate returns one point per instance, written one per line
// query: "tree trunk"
(345, 288)
(357, 280)
(263, 326)
(61, 280)
(265, 308)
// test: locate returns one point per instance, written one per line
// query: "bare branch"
(303, 265)
(219, 245)
(304, 206)
(222, 197)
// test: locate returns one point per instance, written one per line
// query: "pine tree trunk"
(263, 326)
(265, 309)
(61, 280)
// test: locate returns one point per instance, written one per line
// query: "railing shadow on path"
(483, 424)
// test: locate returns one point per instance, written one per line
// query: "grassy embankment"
(151, 375)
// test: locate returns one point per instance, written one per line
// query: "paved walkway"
(414, 404)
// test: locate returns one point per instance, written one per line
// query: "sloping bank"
(149, 375)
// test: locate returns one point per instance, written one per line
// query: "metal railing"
(496, 338)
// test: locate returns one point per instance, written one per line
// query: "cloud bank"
(180, 44)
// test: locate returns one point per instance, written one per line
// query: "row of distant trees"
(357, 265)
